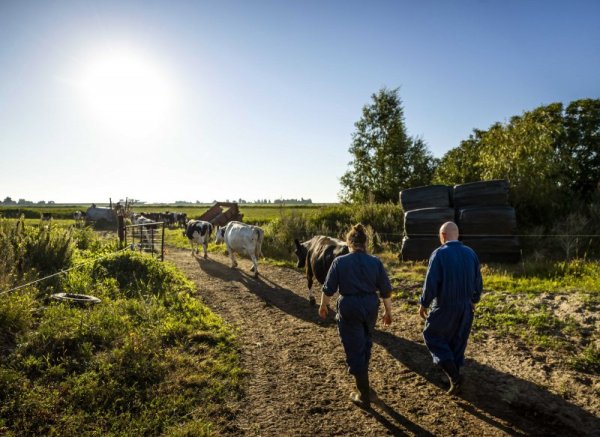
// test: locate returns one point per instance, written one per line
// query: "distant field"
(252, 213)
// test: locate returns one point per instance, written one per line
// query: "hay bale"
(482, 193)
(429, 196)
(426, 222)
(418, 249)
(487, 221)
(495, 249)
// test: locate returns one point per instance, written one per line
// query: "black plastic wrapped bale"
(426, 222)
(487, 221)
(495, 249)
(418, 249)
(481, 193)
(429, 196)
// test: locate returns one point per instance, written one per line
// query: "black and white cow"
(198, 232)
(316, 255)
(244, 239)
(78, 216)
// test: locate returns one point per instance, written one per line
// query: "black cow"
(316, 255)
(198, 232)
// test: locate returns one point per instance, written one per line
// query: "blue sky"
(203, 100)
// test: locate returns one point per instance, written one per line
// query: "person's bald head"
(448, 232)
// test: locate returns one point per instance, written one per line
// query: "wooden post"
(162, 243)
(121, 228)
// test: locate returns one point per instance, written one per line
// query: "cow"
(146, 236)
(198, 232)
(78, 216)
(316, 255)
(46, 216)
(242, 238)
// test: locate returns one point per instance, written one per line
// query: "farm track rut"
(297, 384)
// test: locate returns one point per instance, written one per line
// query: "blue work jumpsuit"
(357, 276)
(453, 282)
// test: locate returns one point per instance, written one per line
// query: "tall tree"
(385, 159)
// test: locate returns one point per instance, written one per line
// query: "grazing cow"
(242, 238)
(181, 219)
(78, 216)
(145, 235)
(316, 255)
(46, 216)
(198, 232)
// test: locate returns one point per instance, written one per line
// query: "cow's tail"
(259, 235)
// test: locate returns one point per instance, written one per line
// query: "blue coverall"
(357, 276)
(453, 282)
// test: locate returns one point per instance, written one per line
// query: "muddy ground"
(297, 384)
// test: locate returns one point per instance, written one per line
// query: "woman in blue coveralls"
(357, 276)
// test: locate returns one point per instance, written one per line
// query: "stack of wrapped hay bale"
(486, 221)
(425, 210)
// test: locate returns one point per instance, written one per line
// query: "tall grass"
(380, 219)
(150, 359)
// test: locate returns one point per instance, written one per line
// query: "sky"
(257, 99)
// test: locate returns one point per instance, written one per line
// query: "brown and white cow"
(316, 255)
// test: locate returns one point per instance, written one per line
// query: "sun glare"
(127, 93)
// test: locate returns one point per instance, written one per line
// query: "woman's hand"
(323, 310)
(423, 312)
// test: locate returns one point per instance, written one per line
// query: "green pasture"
(142, 362)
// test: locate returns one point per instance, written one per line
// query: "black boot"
(451, 370)
(363, 397)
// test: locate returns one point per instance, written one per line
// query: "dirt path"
(297, 383)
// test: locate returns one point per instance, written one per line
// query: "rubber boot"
(451, 371)
(363, 397)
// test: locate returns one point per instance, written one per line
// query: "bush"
(383, 222)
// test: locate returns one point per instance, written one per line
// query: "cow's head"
(220, 235)
(301, 253)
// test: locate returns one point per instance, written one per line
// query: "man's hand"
(387, 319)
(323, 310)
(423, 312)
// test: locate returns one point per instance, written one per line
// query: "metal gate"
(147, 237)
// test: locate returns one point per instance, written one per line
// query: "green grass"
(150, 359)
(521, 301)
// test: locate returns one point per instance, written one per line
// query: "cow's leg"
(309, 282)
(254, 265)
(192, 244)
(205, 245)
(233, 261)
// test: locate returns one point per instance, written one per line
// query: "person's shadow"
(496, 397)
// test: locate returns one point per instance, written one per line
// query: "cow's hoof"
(313, 301)
(252, 268)
(205, 256)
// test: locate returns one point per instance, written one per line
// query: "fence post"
(121, 229)
(162, 243)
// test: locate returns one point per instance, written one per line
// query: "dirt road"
(297, 383)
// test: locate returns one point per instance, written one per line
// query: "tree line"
(550, 155)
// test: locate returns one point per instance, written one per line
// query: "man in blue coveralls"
(358, 277)
(452, 287)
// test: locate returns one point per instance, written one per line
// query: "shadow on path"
(398, 425)
(500, 397)
(510, 404)
(270, 292)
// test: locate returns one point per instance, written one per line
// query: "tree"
(385, 159)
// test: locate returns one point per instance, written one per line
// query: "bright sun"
(127, 93)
